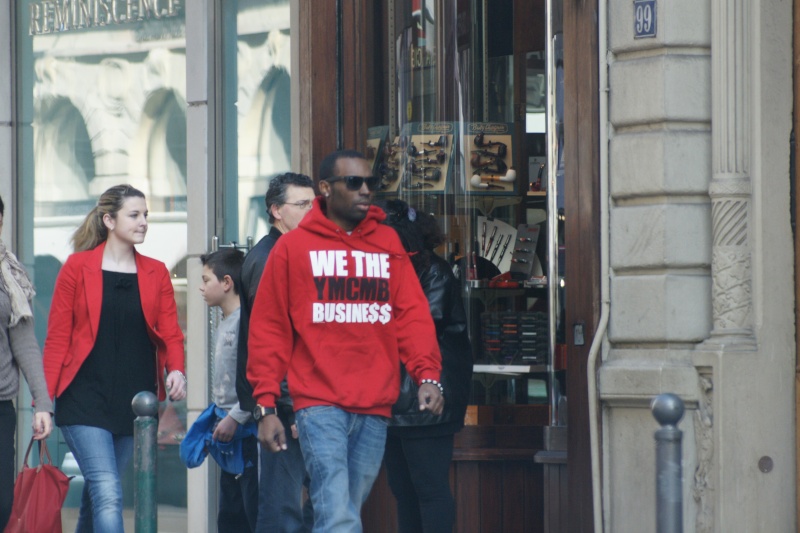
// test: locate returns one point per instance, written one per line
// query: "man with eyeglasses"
(280, 485)
(351, 310)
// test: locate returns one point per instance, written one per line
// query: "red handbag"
(39, 493)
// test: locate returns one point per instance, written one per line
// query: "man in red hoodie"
(353, 310)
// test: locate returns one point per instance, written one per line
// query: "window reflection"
(63, 154)
(100, 105)
(263, 111)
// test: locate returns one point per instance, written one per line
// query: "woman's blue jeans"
(102, 457)
(343, 453)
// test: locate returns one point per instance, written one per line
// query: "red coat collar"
(93, 276)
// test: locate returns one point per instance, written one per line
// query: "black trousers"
(8, 425)
(418, 470)
(238, 495)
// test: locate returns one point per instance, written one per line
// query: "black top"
(252, 268)
(443, 292)
(121, 363)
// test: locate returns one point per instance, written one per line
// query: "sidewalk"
(170, 519)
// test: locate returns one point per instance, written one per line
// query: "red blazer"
(75, 317)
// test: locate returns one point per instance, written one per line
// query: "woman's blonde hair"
(93, 231)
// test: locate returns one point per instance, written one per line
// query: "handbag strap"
(43, 453)
(27, 453)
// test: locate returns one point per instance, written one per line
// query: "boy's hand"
(225, 429)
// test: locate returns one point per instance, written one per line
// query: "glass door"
(253, 61)
(256, 121)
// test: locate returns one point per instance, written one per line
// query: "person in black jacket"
(419, 444)
(288, 199)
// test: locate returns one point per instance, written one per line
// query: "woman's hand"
(42, 425)
(176, 385)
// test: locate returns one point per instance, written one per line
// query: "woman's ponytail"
(90, 233)
(92, 230)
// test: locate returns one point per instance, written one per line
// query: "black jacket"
(447, 308)
(252, 268)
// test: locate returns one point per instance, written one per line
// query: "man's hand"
(271, 433)
(225, 429)
(430, 398)
(295, 434)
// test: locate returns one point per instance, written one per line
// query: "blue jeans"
(101, 456)
(280, 492)
(343, 453)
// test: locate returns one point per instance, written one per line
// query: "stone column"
(730, 190)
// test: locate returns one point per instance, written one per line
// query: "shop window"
(465, 127)
(466, 137)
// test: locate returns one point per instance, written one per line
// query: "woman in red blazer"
(113, 332)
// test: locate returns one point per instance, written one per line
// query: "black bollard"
(145, 406)
(668, 410)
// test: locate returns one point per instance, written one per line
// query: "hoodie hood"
(317, 222)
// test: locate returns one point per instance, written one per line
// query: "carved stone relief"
(703, 486)
(731, 257)
(731, 291)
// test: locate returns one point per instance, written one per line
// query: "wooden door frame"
(582, 240)
(336, 69)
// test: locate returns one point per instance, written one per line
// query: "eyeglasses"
(354, 183)
(302, 204)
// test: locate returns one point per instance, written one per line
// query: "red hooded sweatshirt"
(340, 312)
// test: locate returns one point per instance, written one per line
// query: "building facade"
(651, 210)
(701, 260)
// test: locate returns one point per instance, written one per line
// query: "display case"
(473, 136)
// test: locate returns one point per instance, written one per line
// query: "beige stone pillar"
(730, 190)
(731, 260)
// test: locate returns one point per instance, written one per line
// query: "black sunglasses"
(354, 183)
